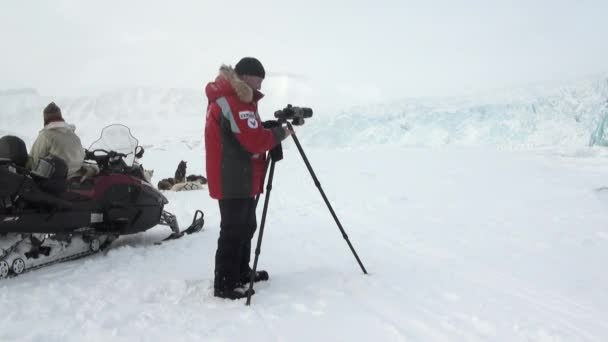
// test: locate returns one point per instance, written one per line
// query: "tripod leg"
(318, 184)
(261, 233)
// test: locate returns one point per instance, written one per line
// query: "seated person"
(59, 139)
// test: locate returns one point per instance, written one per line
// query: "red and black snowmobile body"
(42, 213)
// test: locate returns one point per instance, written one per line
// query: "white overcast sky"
(352, 51)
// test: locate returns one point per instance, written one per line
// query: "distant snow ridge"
(19, 91)
(569, 114)
(575, 114)
(154, 115)
(152, 105)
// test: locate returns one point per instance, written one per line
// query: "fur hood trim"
(243, 91)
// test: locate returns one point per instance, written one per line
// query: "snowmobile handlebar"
(106, 159)
(111, 155)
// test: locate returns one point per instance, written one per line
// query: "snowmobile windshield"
(117, 138)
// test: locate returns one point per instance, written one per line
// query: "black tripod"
(265, 210)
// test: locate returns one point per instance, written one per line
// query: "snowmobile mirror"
(139, 152)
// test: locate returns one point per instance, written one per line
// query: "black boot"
(242, 291)
(259, 276)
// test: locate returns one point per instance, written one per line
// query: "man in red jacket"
(236, 144)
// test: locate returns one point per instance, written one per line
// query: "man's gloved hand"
(88, 171)
(89, 155)
(276, 153)
(274, 123)
(270, 124)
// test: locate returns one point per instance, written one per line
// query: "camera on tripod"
(295, 114)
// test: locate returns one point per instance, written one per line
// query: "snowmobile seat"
(39, 187)
(32, 192)
(10, 181)
(13, 149)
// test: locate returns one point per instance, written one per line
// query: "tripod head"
(290, 113)
(295, 114)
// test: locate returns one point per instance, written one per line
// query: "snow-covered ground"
(467, 242)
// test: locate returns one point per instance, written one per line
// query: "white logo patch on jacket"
(245, 115)
(252, 123)
(251, 118)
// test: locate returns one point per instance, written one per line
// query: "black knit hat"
(250, 66)
(52, 113)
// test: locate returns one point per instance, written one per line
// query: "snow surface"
(467, 242)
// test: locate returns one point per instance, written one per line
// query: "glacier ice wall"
(569, 114)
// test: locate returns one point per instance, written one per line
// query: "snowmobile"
(46, 218)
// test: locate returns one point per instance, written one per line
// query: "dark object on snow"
(165, 184)
(235, 293)
(260, 275)
(197, 178)
(168, 183)
(13, 149)
(180, 177)
(180, 173)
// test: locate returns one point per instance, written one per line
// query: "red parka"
(235, 141)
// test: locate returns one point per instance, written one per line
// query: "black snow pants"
(237, 228)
